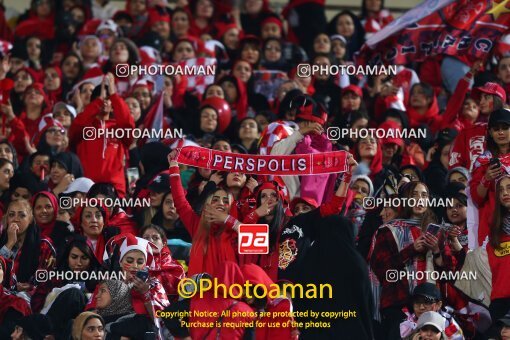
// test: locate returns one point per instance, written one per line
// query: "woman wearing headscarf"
(88, 326)
(35, 104)
(53, 84)
(212, 231)
(117, 217)
(77, 256)
(45, 207)
(113, 300)
(64, 168)
(93, 223)
(23, 247)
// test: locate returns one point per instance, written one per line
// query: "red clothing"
(103, 158)
(228, 274)
(387, 255)
(17, 137)
(487, 204)
(10, 301)
(46, 261)
(277, 306)
(207, 251)
(499, 262)
(47, 229)
(31, 126)
(124, 222)
(428, 118)
(451, 117)
(168, 271)
(468, 145)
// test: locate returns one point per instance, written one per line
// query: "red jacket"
(102, 158)
(499, 262)
(468, 145)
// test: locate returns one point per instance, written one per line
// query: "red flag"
(467, 28)
(154, 119)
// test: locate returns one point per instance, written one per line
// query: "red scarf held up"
(291, 165)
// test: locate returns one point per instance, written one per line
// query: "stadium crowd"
(59, 78)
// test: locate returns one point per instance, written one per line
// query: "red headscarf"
(47, 228)
(55, 96)
(416, 118)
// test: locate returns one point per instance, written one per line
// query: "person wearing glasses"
(52, 136)
(272, 56)
(427, 298)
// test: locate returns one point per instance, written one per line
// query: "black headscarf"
(333, 259)
(153, 157)
(70, 162)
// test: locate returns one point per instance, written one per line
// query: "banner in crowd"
(291, 165)
(198, 82)
(267, 82)
(468, 28)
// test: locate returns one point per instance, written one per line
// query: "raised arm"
(189, 218)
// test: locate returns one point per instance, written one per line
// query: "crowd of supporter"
(59, 63)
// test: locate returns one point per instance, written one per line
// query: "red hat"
(222, 28)
(306, 200)
(274, 20)
(490, 88)
(353, 88)
(391, 125)
(127, 242)
(222, 109)
(273, 185)
(45, 123)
